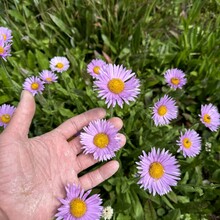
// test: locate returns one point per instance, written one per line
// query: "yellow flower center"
(187, 143)
(101, 140)
(156, 170)
(162, 110)
(78, 208)
(175, 81)
(96, 69)
(48, 79)
(34, 85)
(1, 50)
(116, 85)
(207, 118)
(5, 118)
(4, 37)
(59, 65)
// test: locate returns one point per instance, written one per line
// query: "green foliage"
(149, 37)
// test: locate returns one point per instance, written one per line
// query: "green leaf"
(123, 217)
(4, 98)
(42, 60)
(173, 215)
(167, 202)
(149, 212)
(59, 23)
(108, 43)
(66, 112)
(31, 60)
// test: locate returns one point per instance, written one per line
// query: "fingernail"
(22, 94)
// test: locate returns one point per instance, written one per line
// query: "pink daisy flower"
(117, 85)
(5, 49)
(6, 34)
(164, 111)
(210, 117)
(158, 171)
(79, 206)
(100, 138)
(175, 78)
(34, 85)
(59, 64)
(189, 143)
(94, 67)
(48, 76)
(6, 112)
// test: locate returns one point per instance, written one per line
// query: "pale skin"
(34, 171)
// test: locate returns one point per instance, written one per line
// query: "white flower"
(107, 212)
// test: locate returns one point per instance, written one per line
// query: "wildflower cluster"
(159, 170)
(35, 84)
(5, 42)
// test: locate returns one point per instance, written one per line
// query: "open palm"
(33, 172)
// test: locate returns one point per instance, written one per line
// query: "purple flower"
(78, 206)
(5, 49)
(6, 112)
(6, 34)
(189, 143)
(100, 138)
(164, 110)
(34, 85)
(175, 78)
(158, 171)
(210, 117)
(48, 76)
(117, 85)
(94, 67)
(59, 64)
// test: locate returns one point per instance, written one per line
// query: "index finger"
(75, 124)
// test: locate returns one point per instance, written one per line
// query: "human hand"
(34, 171)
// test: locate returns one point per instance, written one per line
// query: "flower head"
(175, 78)
(6, 112)
(48, 76)
(6, 34)
(210, 117)
(100, 138)
(190, 143)
(59, 64)
(117, 85)
(158, 171)
(34, 85)
(107, 212)
(5, 49)
(78, 206)
(164, 111)
(94, 67)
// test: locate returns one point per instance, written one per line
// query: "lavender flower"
(59, 64)
(100, 139)
(78, 206)
(189, 143)
(6, 112)
(175, 78)
(158, 171)
(34, 85)
(210, 117)
(117, 85)
(94, 67)
(164, 111)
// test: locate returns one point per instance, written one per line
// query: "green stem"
(111, 111)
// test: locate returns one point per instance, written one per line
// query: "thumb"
(23, 115)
